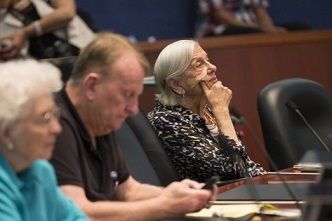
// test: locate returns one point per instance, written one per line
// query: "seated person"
(192, 119)
(28, 129)
(221, 17)
(41, 29)
(101, 92)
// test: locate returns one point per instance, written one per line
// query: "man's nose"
(132, 107)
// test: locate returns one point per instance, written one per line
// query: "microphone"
(240, 118)
(235, 120)
(293, 107)
(234, 111)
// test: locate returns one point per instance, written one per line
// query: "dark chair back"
(286, 136)
(65, 64)
(146, 158)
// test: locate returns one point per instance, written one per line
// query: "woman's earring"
(183, 97)
(10, 146)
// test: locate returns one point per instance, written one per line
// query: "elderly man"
(102, 91)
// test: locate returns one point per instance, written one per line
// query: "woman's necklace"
(211, 123)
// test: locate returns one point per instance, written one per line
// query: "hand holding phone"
(5, 43)
(212, 181)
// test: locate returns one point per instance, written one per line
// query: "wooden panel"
(247, 63)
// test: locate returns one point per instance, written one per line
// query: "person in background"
(41, 29)
(192, 119)
(102, 91)
(230, 17)
(28, 130)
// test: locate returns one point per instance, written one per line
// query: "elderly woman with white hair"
(28, 130)
(192, 118)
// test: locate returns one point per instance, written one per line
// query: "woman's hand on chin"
(217, 94)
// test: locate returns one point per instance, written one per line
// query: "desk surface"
(288, 175)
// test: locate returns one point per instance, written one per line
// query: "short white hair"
(171, 63)
(20, 80)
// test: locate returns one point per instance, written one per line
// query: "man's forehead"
(127, 74)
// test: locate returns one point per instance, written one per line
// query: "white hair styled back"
(20, 81)
(171, 63)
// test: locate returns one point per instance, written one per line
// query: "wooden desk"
(288, 175)
(247, 63)
(268, 178)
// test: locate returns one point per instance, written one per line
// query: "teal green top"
(34, 195)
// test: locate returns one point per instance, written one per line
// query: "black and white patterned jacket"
(195, 153)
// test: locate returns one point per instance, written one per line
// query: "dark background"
(168, 19)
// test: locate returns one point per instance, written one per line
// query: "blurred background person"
(192, 119)
(28, 130)
(229, 17)
(41, 29)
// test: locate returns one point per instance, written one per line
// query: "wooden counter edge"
(239, 41)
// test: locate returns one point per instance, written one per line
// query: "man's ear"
(90, 83)
(176, 87)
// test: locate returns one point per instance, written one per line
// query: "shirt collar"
(73, 112)
(25, 178)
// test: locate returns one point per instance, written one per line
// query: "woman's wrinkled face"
(199, 70)
(34, 135)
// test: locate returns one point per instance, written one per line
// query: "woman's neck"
(196, 105)
(15, 161)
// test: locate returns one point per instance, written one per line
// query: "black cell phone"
(212, 181)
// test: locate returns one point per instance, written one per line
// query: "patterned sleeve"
(218, 4)
(254, 169)
(264, 3)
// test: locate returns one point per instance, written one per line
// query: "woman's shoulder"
(164, 114)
